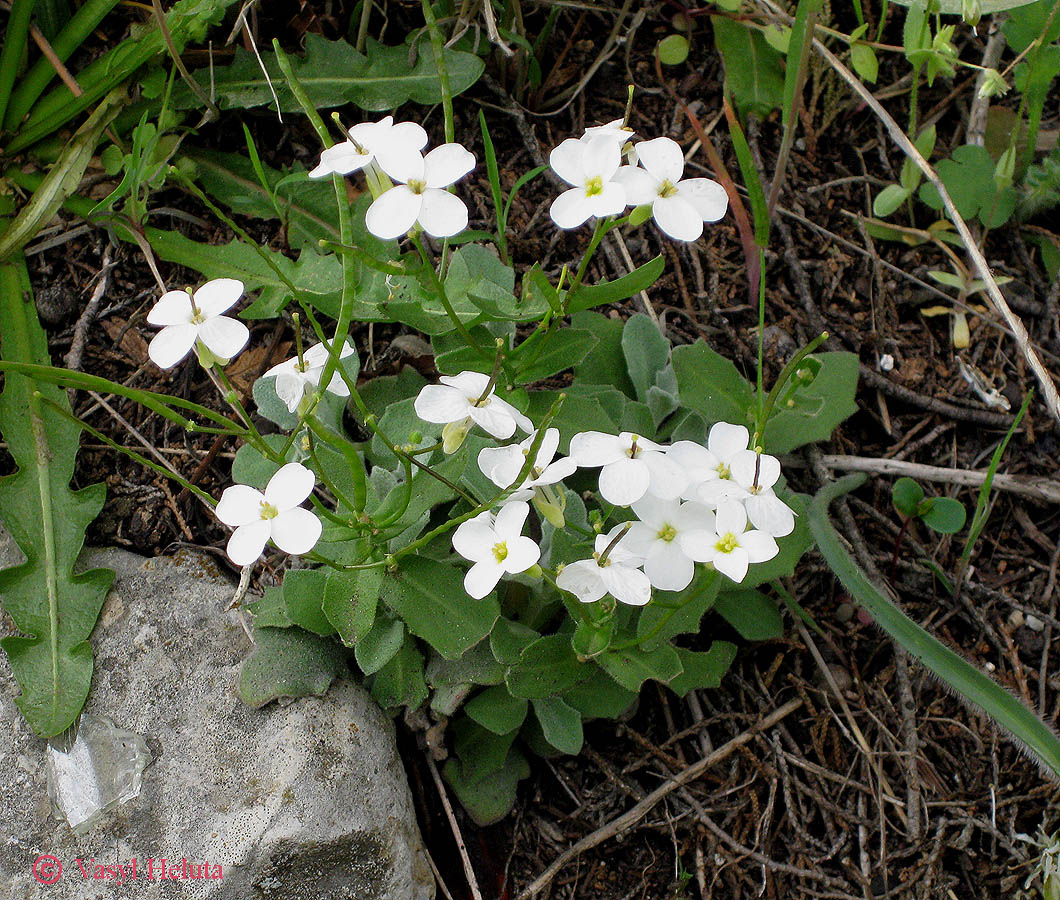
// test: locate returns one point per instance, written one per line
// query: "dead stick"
(628, 818)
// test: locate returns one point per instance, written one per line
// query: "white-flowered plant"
(276, 515)
(729, 546)
(421, 198)
(196, 320)
(503, 465)
(656, 537)
(297, 377)
(611, 570)
(389, 145)
(631, 466)
(590, 166)
(679, 206)
(496, 546)
(466, 399)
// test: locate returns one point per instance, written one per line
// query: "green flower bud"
(993, 85)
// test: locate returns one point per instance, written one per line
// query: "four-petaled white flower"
(422, 196)
(755, 474)
(496, 546)
(728, 546)
(656, 538)
(463, 399)
(294, 378)
(632, 466)
(189, 318)
(614, 130)
(276, 514)
(679, 207)
(712, 465)
(382, 141)
(615, 573)
(590, 166)
(502, 465)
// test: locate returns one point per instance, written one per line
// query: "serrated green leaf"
(333, 73)
(634, 665)
(751, 613)
(288, 662)
(561, 724)
(54, 609)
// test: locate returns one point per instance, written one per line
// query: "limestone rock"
(304, 800)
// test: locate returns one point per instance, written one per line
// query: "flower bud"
(453, 435)
(971, 11)
(993, 85)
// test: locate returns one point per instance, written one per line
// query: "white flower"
(656, 538)
(382, 141)
(294, 378)
(729, 547)
(590, 166)
(189, 318)
(461, 400)
(755, 474)
(422, 197)
(616, 574)
(632, 466)
(614, 130)
(502, 465)
(709, 468)
(276, 514)
(679, 207)
(495, 545)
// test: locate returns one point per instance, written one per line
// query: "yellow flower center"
(723, 471)
(594, 186)
(500, 551)
(727, 543)
(667, 188)
(268, 511)
(667, 533)
(417, 186)
(602, 563)
(197, 317)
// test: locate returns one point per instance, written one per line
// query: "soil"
(880, 783)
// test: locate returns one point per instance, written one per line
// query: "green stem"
(438, 47)
(778, 385)
(439, 289)
(602, 227)
(15, 35)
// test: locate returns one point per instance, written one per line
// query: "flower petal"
(708, 197)
(610, 201)
(567, 161)
(290, 486)
(626, 585)
(223, 336)
(393, 213)
(494, 419)
(171, 345)
(341, 159)
(594, 448)
(441, 403)
(654, 511)
(482, 577)
(624, 482)
(662, 157)
(510, 519)
(640, 186)
(667, 567)
(290, 388)
(474, 539)
(442, 214)
(172, 308)
(746, 464)
(668, 479)
(447, 164)
(410, 134)
(240, 504)
(601, 156)
(522, 554)
(247, 542)
(725, 440)
(219, 295)
(571, 208)
(759, 546)
(733, 564)
(677, 218)
(731, 518)
(770, 514)
(296, 530)
(582, 578)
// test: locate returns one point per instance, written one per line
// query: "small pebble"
(886, 362)
(1034, 623)
(844, 612)
(1015, 618)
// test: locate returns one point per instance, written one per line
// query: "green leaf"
(303, 595)
(751, 613)
(672, 50)
(906, 496)
(1007, 711)
(561, 724)
(400, 682)
(52, 607)
(863, 61)
(250, 467)
(889, 199)
(657, 624)
(640, 279)
(509, 639)
(288, 662)
(703, 670)
(811, 411)
(491, 798)
(545, 668)
(1027, 24)
(376, 648)
(710, 385)
(350, 601)
(969, 179)
(430, 597)
(578, 413)
(605, 363)
(634, 665)
(646, 352)
(753, 69)
(270, 611)
(477, 666)
(333, 73)
(600, 696)
(945, 515)
(564, 348)
(496, 710)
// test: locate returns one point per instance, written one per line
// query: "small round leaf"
(946, 515)
(906, 496)
(673, 50)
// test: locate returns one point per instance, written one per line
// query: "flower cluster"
(713, 504)
(602, 186)
(390, 153)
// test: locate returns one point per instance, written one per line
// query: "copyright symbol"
(47, 869)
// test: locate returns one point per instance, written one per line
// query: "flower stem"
(778, 385)
(602, 227)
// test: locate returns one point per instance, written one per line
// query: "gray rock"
(305, 800)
